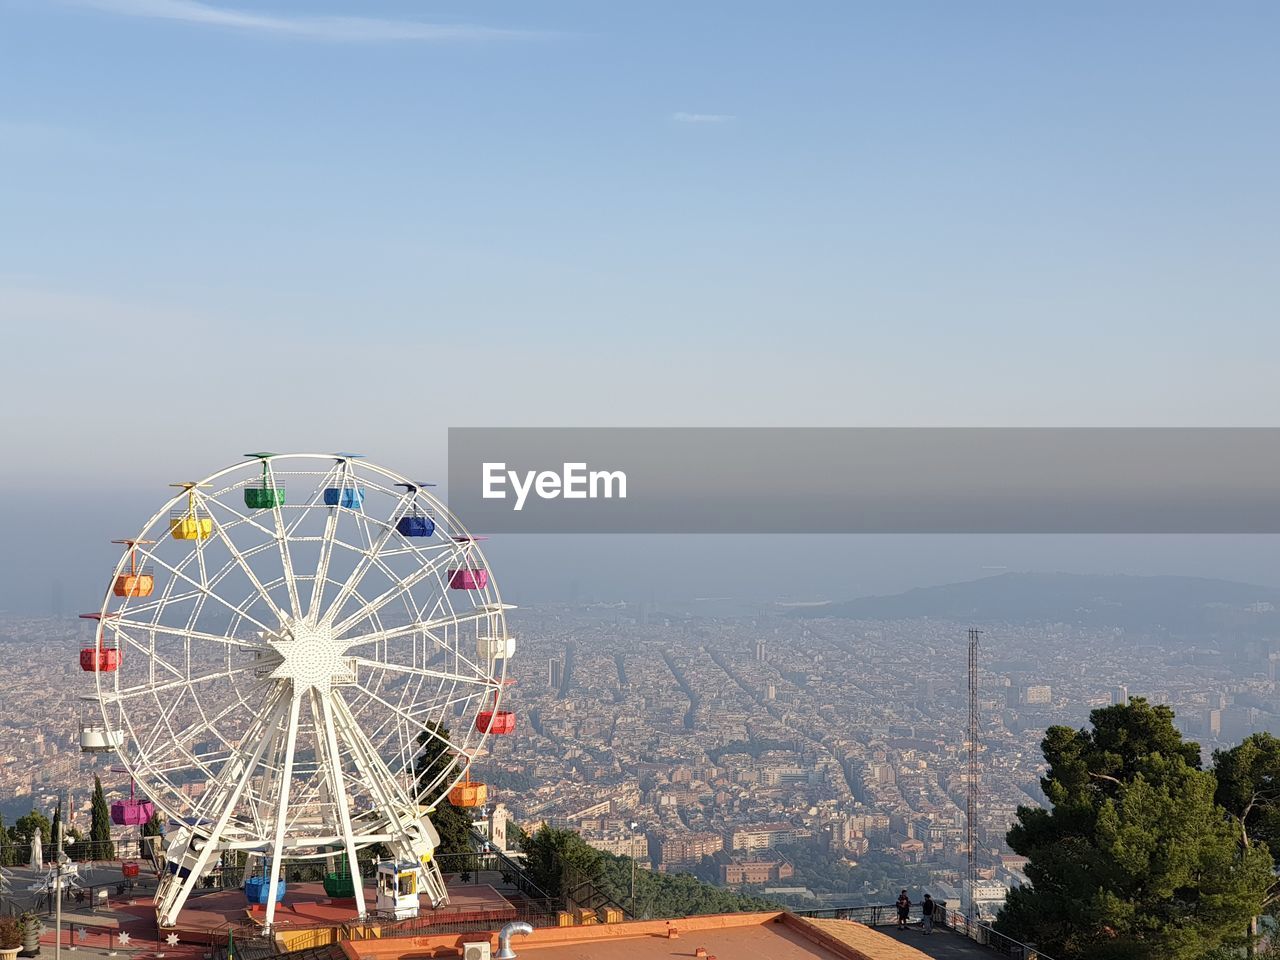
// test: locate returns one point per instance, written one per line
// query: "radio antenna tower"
(971, 825)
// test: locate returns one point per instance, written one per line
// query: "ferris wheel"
(297, 658)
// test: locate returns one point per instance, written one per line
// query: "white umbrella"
(37, 853)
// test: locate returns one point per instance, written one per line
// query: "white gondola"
(95, 735)
(496, 648)
(492, 640)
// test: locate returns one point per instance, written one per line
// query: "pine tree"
(100, 825)
(55, 828)
(1133, 860)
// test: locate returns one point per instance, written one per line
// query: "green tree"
(55, 828)
(1133, 860)
(454, 824)
(557, 859)
(433, 762)
(554, 856)
(27, 827)
(1248, 777)
(153, 836)
(100, 825)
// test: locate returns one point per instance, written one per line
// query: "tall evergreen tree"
(433, 760)
(1248, 778)
(100, 825)
(153, 836)
(1133, 860)
(555, 857)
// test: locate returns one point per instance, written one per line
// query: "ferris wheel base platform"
(306, 908)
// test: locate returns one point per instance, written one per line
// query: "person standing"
(904, 909)
(926, 911)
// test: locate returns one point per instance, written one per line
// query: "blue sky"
(307, 225)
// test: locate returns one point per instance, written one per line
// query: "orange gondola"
(139, 581)
(468, 793)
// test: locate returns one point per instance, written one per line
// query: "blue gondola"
(349, 497)
(255, 890)
(415, 525)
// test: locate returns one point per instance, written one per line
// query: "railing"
(85, 851)
(874, 915)
(583, 893)
(989, 937)
(870, 915)
(536, 913)
(508, 867)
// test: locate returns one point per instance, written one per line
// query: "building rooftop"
(739, 936)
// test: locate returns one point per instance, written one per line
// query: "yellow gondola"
(191, 523)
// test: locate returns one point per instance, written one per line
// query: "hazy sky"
(314, 225)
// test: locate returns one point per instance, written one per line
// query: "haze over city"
(331, 228)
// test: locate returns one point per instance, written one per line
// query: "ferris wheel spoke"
(402, 587)
(378, 779)
(181, 632)
(425, 626)
(422, 725)
(127, 693)
(282, 542)
(206, 591)
(486, 682)
(240, 519)
(368, 558)
(242, 563)
(238, 770)
(161, 746)
(392, 723)
(322, 565)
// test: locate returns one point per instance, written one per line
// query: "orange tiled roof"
(730, 936)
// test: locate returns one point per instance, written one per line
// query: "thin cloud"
(332, 29)
(683, 117)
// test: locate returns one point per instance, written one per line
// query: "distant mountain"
(1179, 605)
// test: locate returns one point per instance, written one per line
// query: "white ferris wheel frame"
(302, 655)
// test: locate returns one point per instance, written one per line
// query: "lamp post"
(57, 888)
(633, 868)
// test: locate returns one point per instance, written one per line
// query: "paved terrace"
(942, 944)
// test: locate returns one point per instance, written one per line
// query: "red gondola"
(100, 658)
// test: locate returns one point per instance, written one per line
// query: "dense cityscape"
(805, 758)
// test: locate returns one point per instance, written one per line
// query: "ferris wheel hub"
(311, 657)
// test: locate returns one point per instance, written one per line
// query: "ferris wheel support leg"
(282, 811)
(423, 841)
(340, 800)
(413, 842)
(175, 888)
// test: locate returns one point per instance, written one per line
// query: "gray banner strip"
(865, 480)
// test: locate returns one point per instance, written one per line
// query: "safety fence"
(884, 914)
